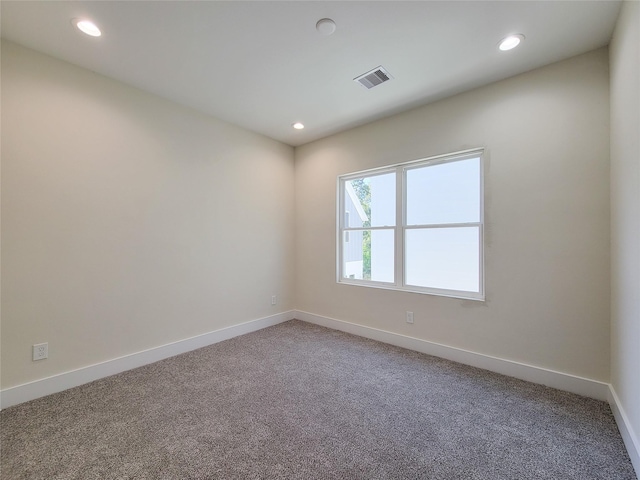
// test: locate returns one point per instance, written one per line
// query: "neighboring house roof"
(356, 201)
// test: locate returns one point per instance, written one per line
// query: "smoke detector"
(374, 77)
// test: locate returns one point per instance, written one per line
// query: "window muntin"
(416, 226)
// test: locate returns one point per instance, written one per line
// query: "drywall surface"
(129, 222)
(546, 135)
(625, 213)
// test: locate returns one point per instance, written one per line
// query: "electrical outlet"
(409, 317)
(40, 351)
(274, 300)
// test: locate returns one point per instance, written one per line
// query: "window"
(415, 226)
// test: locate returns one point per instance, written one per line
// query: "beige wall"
(625, 212)
(129, 222)
(546, 135)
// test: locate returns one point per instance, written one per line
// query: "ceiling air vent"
(375, 77)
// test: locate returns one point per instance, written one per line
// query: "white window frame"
(401, 226)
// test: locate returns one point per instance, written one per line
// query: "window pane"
(446, 258)
(444, 193)
(370, 201)
(382, 255)
(368, 255)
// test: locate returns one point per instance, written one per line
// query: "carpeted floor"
(299, 401)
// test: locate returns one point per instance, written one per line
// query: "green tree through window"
(363, 191)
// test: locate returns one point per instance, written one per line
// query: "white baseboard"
(561, 381)
(626, 430)
(57, 383)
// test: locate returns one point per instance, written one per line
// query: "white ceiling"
(262, 65)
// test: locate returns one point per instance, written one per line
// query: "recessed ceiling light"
(512, 41)
(298, 126)
(87, 26)
(326, 26)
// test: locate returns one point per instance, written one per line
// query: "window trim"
(400, 227)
